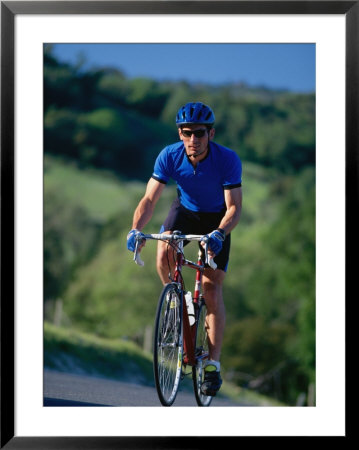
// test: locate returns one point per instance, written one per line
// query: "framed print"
(27, 27)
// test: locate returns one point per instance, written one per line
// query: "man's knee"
(213, 279)
(212, 289)
(161, 257)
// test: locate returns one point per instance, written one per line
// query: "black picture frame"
(9, 9)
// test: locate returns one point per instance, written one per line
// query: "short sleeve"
(161, 170)
(232, 173)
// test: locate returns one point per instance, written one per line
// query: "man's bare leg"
(165, 255)
(216, 315)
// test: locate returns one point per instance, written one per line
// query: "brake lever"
(209, 260)
(136, 256)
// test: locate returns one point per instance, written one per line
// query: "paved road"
(64, 389)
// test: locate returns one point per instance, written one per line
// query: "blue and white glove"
(131, 239)
(215, 240)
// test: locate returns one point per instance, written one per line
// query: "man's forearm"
(143, 214)
(145, 208)
(230, 219)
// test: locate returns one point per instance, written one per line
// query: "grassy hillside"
(98, 192)
(72, 351)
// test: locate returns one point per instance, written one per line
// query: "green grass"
(99, 192)
(72, 351)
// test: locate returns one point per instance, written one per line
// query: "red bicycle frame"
(189, 332)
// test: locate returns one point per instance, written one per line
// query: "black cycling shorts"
(191, 222)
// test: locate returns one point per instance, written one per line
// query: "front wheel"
(168, 344)
(202, 353)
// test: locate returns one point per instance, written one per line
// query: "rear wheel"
(168, 344)
(202, 353)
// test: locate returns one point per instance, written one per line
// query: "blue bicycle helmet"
(195, 113)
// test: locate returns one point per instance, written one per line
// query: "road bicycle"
(180, 338)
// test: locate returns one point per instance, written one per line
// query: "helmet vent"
(208, 115)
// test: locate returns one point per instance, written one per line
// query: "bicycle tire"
(168, 344)
(201, 349)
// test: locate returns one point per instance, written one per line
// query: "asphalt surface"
(65, 389)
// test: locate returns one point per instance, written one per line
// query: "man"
(209, 202)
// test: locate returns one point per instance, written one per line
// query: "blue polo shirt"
(201, 188)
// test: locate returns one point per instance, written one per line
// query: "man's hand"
(132, 236)
(215, 240)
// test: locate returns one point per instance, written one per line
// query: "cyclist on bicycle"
(209, 202)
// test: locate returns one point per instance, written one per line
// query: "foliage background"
(102, 133)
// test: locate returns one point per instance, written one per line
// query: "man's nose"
(193, 137)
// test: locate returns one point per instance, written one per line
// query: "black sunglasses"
(197, 133)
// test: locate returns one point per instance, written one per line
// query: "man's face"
(195, 145)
